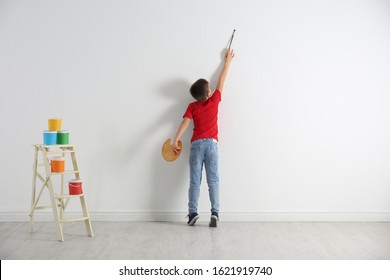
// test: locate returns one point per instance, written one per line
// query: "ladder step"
(53, 146)
(65, 172)
(68, 196)
(42, 207)
(66, 220)
(59, 152)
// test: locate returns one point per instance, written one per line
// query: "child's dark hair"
(200, 89)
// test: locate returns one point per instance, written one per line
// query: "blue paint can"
(49, 137)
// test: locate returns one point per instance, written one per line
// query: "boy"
(204, 140)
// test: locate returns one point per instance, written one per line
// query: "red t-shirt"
(205, 116)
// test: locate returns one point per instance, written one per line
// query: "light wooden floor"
(174, 240)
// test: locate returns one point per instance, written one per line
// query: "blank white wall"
(304, 122)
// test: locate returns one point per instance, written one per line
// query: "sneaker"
(192, 218)
(214, 219)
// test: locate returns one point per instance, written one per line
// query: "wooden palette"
(167, 151)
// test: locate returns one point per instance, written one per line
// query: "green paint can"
(63, 137)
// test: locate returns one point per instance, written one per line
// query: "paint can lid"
(63, 131)
(57, 158)
(49, 131)
(75, 181)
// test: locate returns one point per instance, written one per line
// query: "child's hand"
(176, 148)
(229, 55)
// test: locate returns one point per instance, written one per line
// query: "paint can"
(57, 164)
(49, 137)
(75, 186)
(55, 124)
(63, 137)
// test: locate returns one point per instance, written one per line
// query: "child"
(204, 140)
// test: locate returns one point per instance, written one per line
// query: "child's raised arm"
(228, 58)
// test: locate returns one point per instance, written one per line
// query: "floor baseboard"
(224, 216)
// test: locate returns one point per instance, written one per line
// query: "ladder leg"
(88, 224)
(57, 219)
(86, 215)
(61, 201)
(74, 163)
(60, 234)
(34, 184)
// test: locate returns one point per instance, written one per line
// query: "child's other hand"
(176, 148)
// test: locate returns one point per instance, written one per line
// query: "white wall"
(304, 122)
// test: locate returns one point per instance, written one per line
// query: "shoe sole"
(193, 221)
(213, 221)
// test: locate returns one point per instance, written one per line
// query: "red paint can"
(75, 186)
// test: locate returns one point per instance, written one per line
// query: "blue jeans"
(203, 151)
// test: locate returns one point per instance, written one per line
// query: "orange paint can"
(57, 164)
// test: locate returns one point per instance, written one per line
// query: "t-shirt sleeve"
(216, 97)
(188, 113)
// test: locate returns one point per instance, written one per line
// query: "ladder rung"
(53, 146)
(65, 172)
(59, 152)
(65, 220)
(68, 196)
(42, 207)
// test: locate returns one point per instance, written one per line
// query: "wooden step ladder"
(58, 200)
